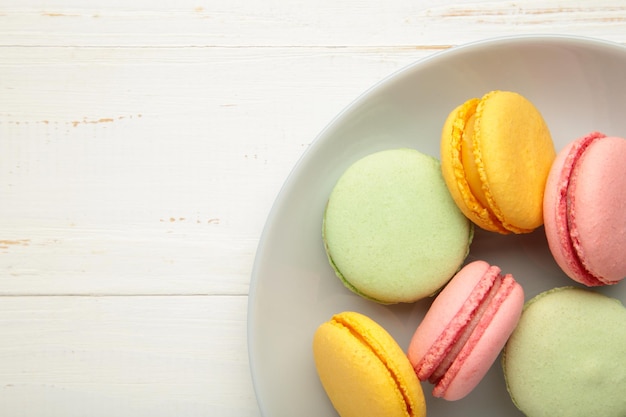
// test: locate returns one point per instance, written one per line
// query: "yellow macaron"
(496, 153)
(363, 370)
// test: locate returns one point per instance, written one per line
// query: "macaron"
(496, 153)
(567, 355)
(465, 329)
(391, 230)
(363, 370)
(585, 209)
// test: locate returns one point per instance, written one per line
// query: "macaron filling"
(568, 235)
(447, 354)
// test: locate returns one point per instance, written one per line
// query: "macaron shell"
(450, 312)
(514, 150)
(469, 370)
(584, 209)
(598, 209)
(364, 371)
(555, 214)
(501, 188)
(567, 355)
(443, 310)
(391, 231)
(453, 169)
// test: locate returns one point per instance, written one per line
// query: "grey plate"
(578, 84)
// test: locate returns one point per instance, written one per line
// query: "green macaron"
(391, 230)
(567, 355)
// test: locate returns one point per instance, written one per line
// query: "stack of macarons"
(398, 226)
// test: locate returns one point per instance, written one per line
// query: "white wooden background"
(141, 146)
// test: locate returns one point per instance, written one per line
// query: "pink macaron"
(584, 209)
(465, 329)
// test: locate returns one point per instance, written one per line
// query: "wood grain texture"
(141, 147)
(130, 170)
(102, 356)
(244, 23)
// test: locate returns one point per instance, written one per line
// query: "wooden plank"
(105, 356)
(141, 146)
(151, 171)
(243, 23)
